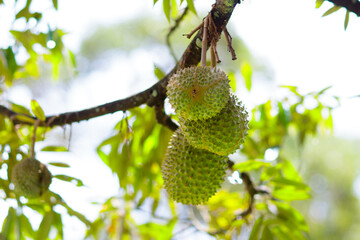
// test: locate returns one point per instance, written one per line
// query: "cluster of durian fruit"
(31, 178)
(213, 124)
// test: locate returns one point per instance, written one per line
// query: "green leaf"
(255, 233)
(289, 171)
(66, 178)
(158, 72)
(9, 222)
(269, 173)
(246, 72)
(8, 137)
(155, 1)
(37, 110)
(72, 58)
(292, 89)
(282, 232)
(155, 205)
(59, 164)
(290, 215)
(331, 10)
(167, 8)
(157, 231)
(319, 3)
(26, 226)
(250, 165)
(329, 121)
(55, 3)
(19, 109)
(347, 15)
(190, 4)
(291, 194)
(11, 61)
(322, 91)
(45, 226)
(231, 77)
(174, 9)
(58, 224)
(70, 211)
(283, 182)
(25, 118)
(266, 234)
(54, 149)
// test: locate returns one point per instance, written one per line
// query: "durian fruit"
(198, 92)
(221, 134)
(31, 178)
(191, 175)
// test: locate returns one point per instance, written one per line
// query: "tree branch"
(164, 119)
(350, 5)
(155, 95)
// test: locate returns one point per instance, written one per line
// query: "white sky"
(303, 49)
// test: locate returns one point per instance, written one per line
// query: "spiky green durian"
(221, 134)
(198, 92)
(191, 175)
(31, 178)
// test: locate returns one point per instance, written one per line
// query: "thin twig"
(229, 43)
(194, 31)
(172, 30)
(214, 38)
(204, 42)
(217, 56)
(33, 139)
(213, 56)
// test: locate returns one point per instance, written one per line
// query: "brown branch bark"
(164, 119)
(350, 5)
(155, 95)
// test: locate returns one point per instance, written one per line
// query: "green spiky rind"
(31, 178)
(222, 134)
(198, 92)
(191, 175)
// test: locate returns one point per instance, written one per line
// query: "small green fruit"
(191, 175)
(31, 178)
(221, 134)
(198, 92)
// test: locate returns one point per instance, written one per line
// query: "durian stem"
(204, 42)
(213, 55)
(229, 43)
(33, 139)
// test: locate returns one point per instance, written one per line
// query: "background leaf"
(331, 10)
(37, 110)
(167, 8)
(66, 178)
(346, 23)
(246, 72)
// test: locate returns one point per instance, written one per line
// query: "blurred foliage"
(39, 47)
(287, 153)
(331, 166)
